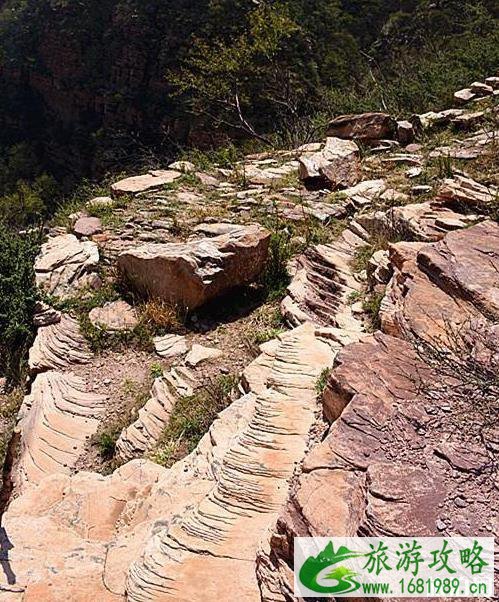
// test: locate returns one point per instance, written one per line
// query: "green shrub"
(18, 296)
(275, 278)
(29, 203)
(372, 306)
(321, 383)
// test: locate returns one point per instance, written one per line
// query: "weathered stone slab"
(365, 126)
(114, 316)
(146, 182)
(55, 421)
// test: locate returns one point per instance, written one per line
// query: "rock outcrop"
(335, 431)
(190, 274)
(146, 182)
(55, 421)
(394, 460)
(59, 346)
(336, 165)
(366, 126)
(63, 263)
(439, 288)
(61, 531)
(324, 281)
(221, 529)
(227, 495)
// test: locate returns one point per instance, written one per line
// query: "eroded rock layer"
(324, 281)
(59, 346)
(438, 288)
(63, 263)
(222, 531)
(56, 419)
(206, 515)
(143, 434)
(413, 435)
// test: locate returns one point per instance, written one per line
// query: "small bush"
(107, 444)
(101, 339)
(372, 306)
(18, 296)
(275, 278)
(156, 370)
(361, 258)
(137, 395)
(321, 383)
(267, 323)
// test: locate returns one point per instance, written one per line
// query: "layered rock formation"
(143, 434)
(232, 488)
(63, 263)
(58, 346)
(336, 431)
(222, 529)
(55, 422)
(324, 281)
(397, 460)
(439, 288)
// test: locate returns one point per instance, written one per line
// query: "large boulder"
(190, 274)
(336, 166)
(366, 126)
(63, 263)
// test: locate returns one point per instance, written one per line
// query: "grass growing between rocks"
(191, 418)
(379, 241)
(321, 383)
(136, 395)
(372, 306)
(9, 406)
(266, 324)
(275, 278)
(101, 339)
(161, 317)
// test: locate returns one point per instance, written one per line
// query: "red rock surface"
(413, 425)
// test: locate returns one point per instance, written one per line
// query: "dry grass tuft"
(161, 315)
